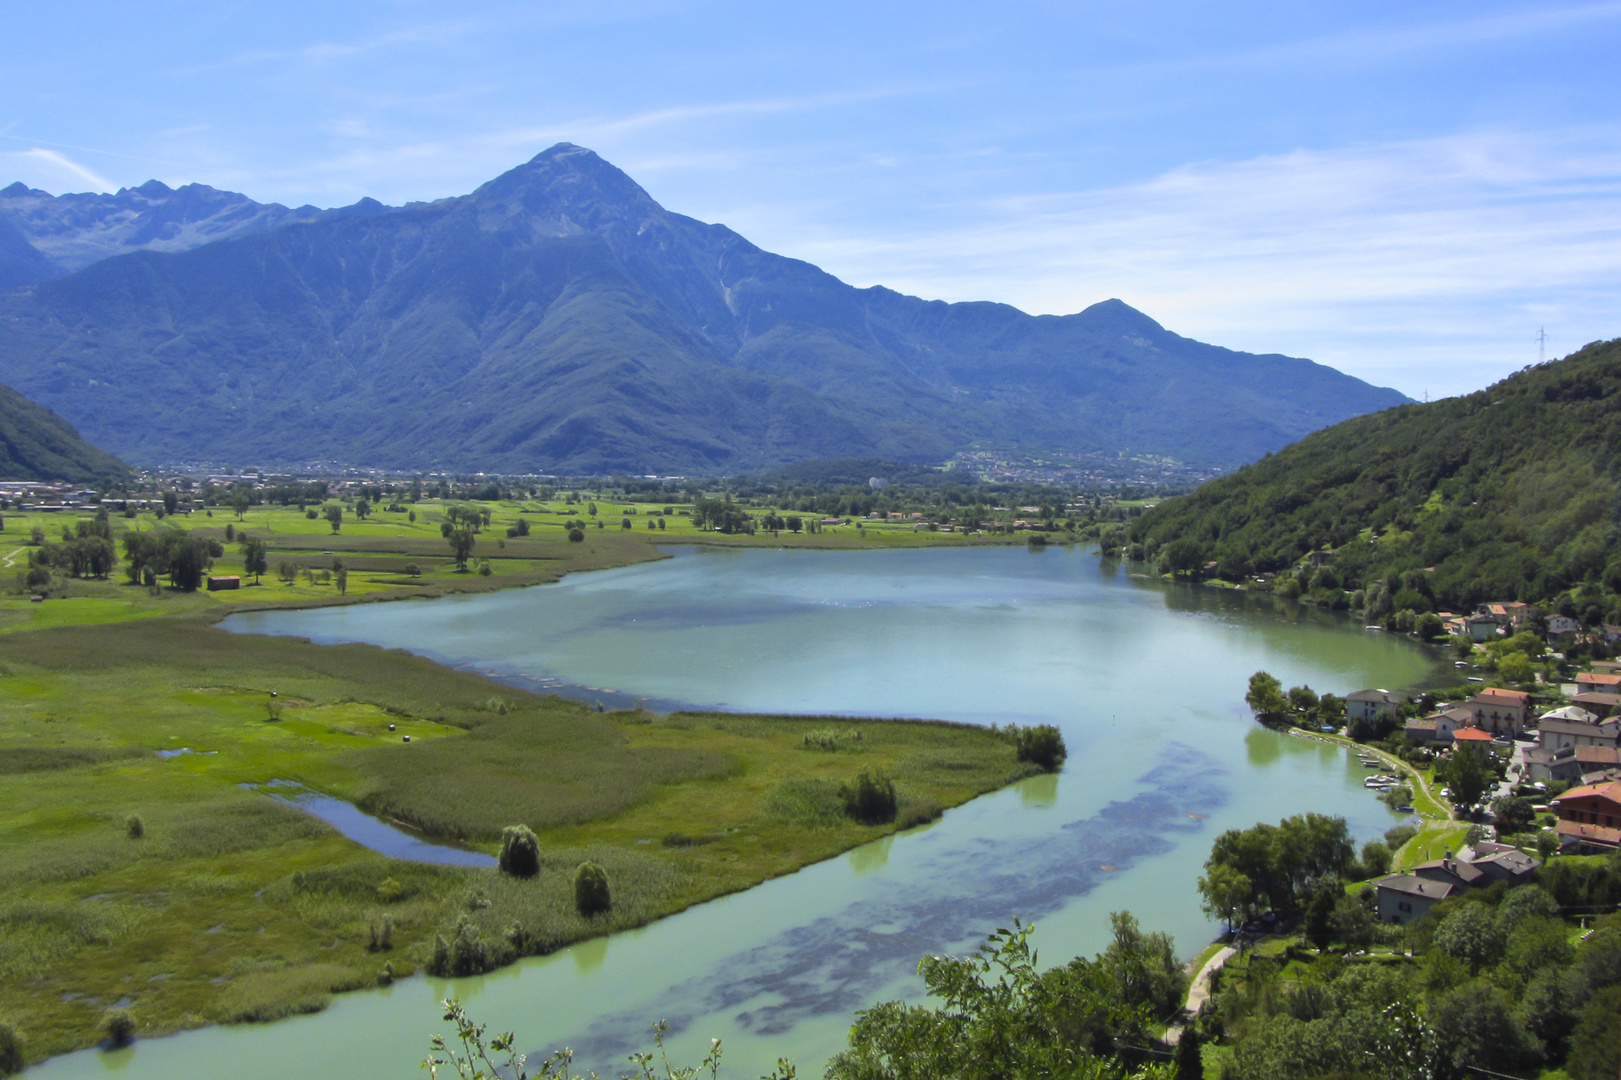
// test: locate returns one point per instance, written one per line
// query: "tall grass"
(521, 767)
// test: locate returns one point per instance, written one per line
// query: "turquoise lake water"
(1145, 679)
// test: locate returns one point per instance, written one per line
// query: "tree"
(340, 577)
(255, 557)
(362, 509)
(1467, 774)
(241, 499)
(1041, 745)
(520, 851)
(1595, 1052)
(461, 545)
(334, 516)
(1514, 667)
(1470, 934)
(1265, 698)
(591, 895)
(1228, 894)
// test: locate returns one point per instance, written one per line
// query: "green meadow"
(174, 889)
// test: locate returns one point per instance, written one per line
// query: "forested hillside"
(36, 444)
(1510, 493)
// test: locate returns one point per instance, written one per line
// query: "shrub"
(135, 826)
(413, 569)
(12, 1058)
(382, 934)
(870, 799)
(591, 889)
(1041, 745)
(466, 954)
(576, 535)
(520, 851)
(119, 1027)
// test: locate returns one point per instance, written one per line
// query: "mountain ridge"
(559, 319)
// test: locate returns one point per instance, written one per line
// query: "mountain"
(36, 444)
(1512, 493)
(21, 263)
(558, 319)
(69, 232)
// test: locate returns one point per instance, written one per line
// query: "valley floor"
(169, 887)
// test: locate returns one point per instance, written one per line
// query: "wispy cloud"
(64, 166)
(1371, 256)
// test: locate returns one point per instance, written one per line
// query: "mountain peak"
(568, 188)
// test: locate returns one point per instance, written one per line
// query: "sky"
(1410, 192)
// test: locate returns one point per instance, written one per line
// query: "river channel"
(1145, 679)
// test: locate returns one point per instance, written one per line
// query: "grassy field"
(390, 555)
(229, 906)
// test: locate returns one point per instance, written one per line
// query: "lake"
(1146, 680)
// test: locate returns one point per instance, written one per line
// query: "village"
(1554, 775)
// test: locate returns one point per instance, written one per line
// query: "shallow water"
(1146, 680)
(371, 832)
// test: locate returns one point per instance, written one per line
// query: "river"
(1145, 679)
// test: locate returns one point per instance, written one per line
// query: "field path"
(1199, 991)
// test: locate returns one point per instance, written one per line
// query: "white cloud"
(39, 167)
(1426, 264)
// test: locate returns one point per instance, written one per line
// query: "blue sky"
(1407, 191)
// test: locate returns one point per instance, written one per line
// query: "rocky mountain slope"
(558, 319)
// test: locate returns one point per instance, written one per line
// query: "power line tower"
(1542, 344)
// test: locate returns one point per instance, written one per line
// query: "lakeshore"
(194, 761)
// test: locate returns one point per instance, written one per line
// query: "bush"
(12, 1058)
(135, 826)
(119, 1027)
(870, 799)
(576, 535)
(1041, 745)
(591, 889)
(520, 851)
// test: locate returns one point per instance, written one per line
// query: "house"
(1511, 615)
(1405, 898)
(1597, 682)
(1596, 761)
(1480, 627)
(1575, 714)
(1501, 862)
(223, 581)
(1552, 766)
(1471, 736)
(1611, 632)
(1437, 728)
(1502, 712)
(1599, 704)
(1559, 734)
(1590, 817)
(1571, 764)
(1366, 705)
(1562, 625)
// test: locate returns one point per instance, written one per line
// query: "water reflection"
(869, 857)
(589, 955)
(1039, 791)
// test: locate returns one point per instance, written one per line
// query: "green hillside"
(1510, 493)
(36, 444)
